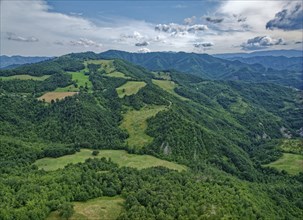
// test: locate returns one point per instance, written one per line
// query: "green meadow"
(25, 77)
(168, 86)
(135, 123)
(130, 88)
(291, 163)
(121, 157)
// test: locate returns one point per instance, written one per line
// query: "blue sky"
(52, 28)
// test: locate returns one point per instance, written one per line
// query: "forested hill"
(6, 61)
(275, 62)
(210, 67)
(224, 137)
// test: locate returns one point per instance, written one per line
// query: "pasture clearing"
(291, 163)
(168, 86)
(130, 88)
(107, 208)
(49, 96)
(134, 122)
(121, 157)
(25, 77)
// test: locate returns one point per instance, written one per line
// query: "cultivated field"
(135, 123)
(122, 158)
(49, 96)
(291, 163)
(107, 208)
(168, 86)
(130, 88)
(25, 77)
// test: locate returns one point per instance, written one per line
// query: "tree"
(95, 152)
(66, 210)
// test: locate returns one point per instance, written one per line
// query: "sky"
(57, 27)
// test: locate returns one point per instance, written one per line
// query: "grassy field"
(108, 67)
(25, 77)
(291, 163)
(121, 157)
(107, 208)
(49, 96)
(80, 78)
(168, 86)
(162, 75)
(135, 123)
(130, 88)
(292, 146)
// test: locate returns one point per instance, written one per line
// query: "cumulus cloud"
(261, 42)
(214, 20)
(290, 18)
(142, 44)
(144, 50)
(189, 21)
(85, 43)
(178, 28)
(15, 37)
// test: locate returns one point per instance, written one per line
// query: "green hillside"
(146, 126)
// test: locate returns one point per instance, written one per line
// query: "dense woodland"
(224, 131)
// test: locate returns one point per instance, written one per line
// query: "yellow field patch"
(107, 208)
(49, 96)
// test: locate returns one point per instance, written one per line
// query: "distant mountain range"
(275, 62)
(252, 67)
(285, 53)
(13, 61)
(209, 67)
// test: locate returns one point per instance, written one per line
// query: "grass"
(168, 86)
(135, 123)
(108, 67)
(291, 163)
(292, 146)
(81, 79)
(107, 208)
(117, 75)
(25, 77)
(162, 75)
(49, 96)
(121, 157)
(130, 88)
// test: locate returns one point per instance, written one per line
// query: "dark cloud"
(203, 44)
(298, 42)
(214, 20)
(178, 28)
(15, 37)
(261, 42)
(142, 44)
(288, 19)
(241, 19)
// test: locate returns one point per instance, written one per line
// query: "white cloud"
(144, 50)
(56, 33)
(85, 43)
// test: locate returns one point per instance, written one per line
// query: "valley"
(121, 142)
